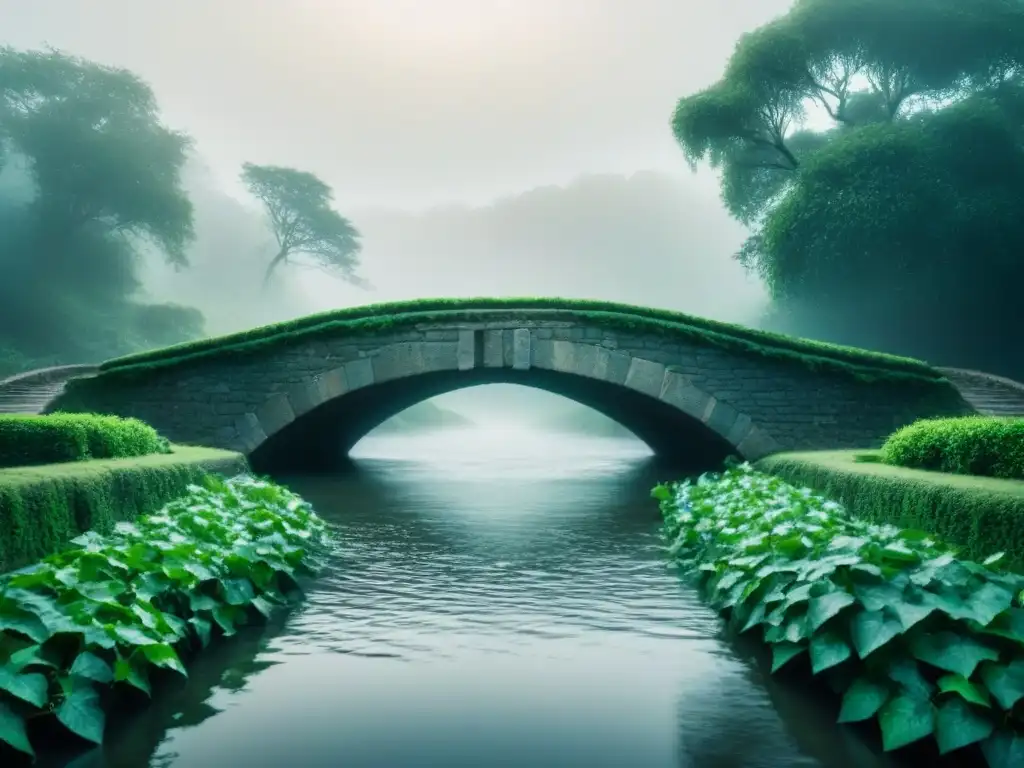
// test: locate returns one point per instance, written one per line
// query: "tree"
(914, 186)
(298, 207)
(92, 175)
(99, 154)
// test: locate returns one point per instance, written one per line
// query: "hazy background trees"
(870, 168)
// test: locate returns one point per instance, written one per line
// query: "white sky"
(412, 102)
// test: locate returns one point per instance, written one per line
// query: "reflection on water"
(497, 599)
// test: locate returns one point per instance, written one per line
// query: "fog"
(482, 148)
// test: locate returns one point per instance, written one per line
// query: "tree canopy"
(92, 179)
(873, 147)
(298, 208)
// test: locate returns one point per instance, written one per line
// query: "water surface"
(497, 599)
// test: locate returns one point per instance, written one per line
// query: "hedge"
(928, 646)
(91, 625)
(60, 437)
(42, 508)
(982, 515)
(387, 317)
(990, 446)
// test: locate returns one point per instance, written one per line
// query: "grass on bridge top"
(387, 317)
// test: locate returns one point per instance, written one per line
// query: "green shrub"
(83, 623)
(42, 508)
(930, 646)
(982, 515)
(971, 445)
(61, 437)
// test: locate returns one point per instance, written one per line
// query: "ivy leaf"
(1004, 681)
(783, 652)
(203, 629)
(905, 719)
(24, 623)
(951, 652)
(163, 655)
(910, 613)
(1004, 749)
(957, 725)
(13, 731)
(80, 713)
(92, 667)
(907, 673)
(967, 690)
(821, 609)
(30, 687)
(988, 601)
(133, 673)
(862, 699)
(238, 591)
(870, 630)
(262, 606)
(828, 649)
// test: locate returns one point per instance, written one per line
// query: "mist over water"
(498, 597)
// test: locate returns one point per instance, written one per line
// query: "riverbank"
(981, 515)
(101, 620)
(927, 645)
(44, 507)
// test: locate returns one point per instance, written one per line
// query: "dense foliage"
(84, 623)
(27, 440)
(298, 208)
(980, 515)
(928, 645)
(45, 507)
(89, 179)
(973, 445)
(896, 226)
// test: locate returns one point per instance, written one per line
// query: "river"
(497, 599)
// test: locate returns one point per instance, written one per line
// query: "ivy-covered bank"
(43, 507)
(89, 625)
(929, 646)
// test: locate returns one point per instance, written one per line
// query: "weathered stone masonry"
(757, 404)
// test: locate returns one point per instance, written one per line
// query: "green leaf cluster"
(26, 440)
(109, 614)
(972, 445)
(928, 645)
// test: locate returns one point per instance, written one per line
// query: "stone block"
(757, 444)
(611, 365)
(739, 430)
(494, 350)
(250, 432)
(333, 383)
(679, 391)
(413, 358)
(645, 376)
(359, 373)
(521, 349)
(466, 351)
(722, 417)
(275, 414)
(305, 397)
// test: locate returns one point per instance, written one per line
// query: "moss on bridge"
(384, 318)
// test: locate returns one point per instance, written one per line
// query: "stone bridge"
(304, 399)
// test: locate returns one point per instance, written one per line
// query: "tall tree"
(100, 156)
(101, 179)
(298, 208)
(914, 185)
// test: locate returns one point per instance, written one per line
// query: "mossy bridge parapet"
(303, 393)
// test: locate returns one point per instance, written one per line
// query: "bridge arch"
(316, 422)
(303, 391)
